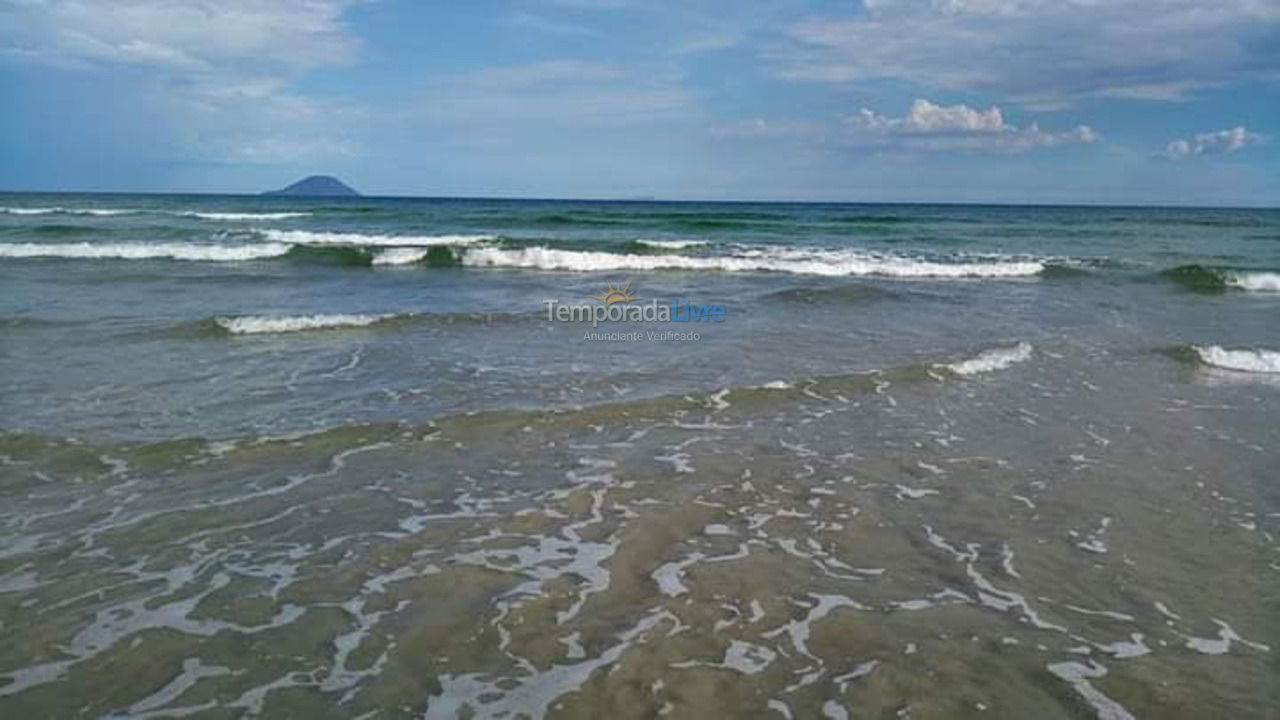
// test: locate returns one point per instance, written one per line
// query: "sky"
(1004, 101)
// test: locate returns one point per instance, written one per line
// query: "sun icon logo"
(611, 294)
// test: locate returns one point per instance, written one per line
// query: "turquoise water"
(332, 458)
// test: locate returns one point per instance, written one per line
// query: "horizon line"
(647, 199)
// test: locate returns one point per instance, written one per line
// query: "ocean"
(393, 457)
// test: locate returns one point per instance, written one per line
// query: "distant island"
(317, 186)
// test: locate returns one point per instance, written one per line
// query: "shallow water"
(308, 485)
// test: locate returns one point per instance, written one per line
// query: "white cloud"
(218, 70)
(1212, 143)
(957, 127)
(1041, 52)
(186, 35)
(926, 117)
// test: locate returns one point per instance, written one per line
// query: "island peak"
(317, 186)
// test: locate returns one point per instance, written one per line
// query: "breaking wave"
(107, 212)
(672, 244)
(400, 256)
(441, 256)
(1255, 281)
(1210, 279)
(144, 251)
(829, 263)
(244, 216)
(307, 237)
(224, 325)
(66, 211)
(1243, 360)
(260, 324)
(436, 256)
(991, 360)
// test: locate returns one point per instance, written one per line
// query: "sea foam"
(307, 237)
(994, 359)
(673, 244)
(66, 211)
(259, 324)
(244, 216)
(400, 256)
(1259, 361)
(144, 251)
(828, 263)
(107, 212)
(1254, 281)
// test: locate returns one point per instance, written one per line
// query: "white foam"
(669, 575)
(910, 493)
(1124, 649)
(66, 211)
(829, 263)
(1078, 675)
(399, 256)
(1255, 281)
(531, 695)
(144, 251)
(799, 630)
(781, 708)
(107, 212)
(257, 324)
(244, 216)
(308, 237)
(673, 244)
(862, 670)
(746, 658)
(833, 710)
(990, 360)
(1006, 561)
(1221, 644)
(573, 646)
(1260, 361)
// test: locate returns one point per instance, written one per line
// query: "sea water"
(334, 458)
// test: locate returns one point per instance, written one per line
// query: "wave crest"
(672, 244)
(308, 237)
(400, 256)
(1243, 360)
(991, 360)
(829, 263)
(66, 211)
(1211, 279)
(144, 251)
(1255, 281)
(244, 216)
(260, 324)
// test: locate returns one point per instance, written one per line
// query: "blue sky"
(1052, 101)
